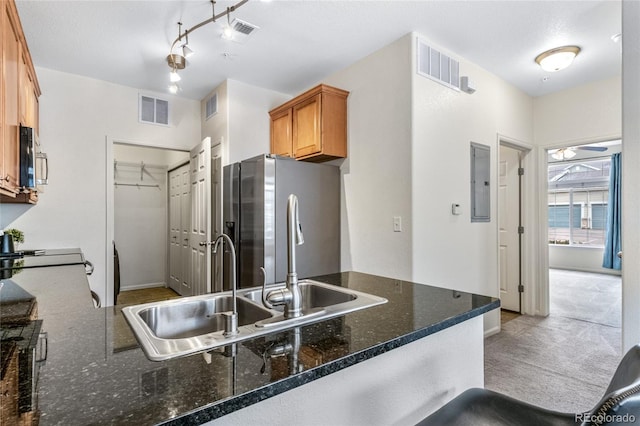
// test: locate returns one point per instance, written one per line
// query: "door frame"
(512, 248)
(529, 238)
(544, 305)
(107, 299)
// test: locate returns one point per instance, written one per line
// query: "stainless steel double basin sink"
(188, 325)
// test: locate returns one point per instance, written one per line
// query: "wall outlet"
(397, 224)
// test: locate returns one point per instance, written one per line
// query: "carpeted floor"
(565, 361)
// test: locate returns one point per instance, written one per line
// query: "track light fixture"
(174, 76)
(186, 50)
(177, 61)
(227, 32)
(174, 88)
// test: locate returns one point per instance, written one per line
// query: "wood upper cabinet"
(281, 133)
(28, 95)
(312, 126)
(10, 98)
(19, 93)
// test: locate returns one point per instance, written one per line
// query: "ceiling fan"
(570, 152)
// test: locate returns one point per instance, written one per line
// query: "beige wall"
(448, 250)
(588, 113)
(78, 115)
(217, 126)
(249, 122)
(376, 175)
(630, 174)
(242, 122)
(584, 114)
(409, 156)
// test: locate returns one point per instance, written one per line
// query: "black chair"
(619, 406)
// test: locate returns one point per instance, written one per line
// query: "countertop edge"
(212, 412)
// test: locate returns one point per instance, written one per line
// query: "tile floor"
(562, 362)
(123, 338)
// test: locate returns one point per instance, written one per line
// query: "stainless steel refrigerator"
(255, 195)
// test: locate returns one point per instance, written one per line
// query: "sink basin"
(314, 295)
(188, 325)
(196, 317)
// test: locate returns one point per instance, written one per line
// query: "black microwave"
(27, 158)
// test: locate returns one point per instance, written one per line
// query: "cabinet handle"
(43, 346)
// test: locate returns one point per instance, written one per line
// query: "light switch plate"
(397, 224)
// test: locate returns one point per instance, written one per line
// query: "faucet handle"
(265, 302)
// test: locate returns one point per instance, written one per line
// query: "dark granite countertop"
(40, 258)
(96, 374)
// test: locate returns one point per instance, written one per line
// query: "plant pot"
(7, 244)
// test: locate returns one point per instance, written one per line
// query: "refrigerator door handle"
(231, 228)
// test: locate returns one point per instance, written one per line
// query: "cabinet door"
(28, 96)
(10, 75)
(307, 137)
(35, 109)
(281, 136)
(23, 91)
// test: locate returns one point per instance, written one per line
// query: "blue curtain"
(614, 216)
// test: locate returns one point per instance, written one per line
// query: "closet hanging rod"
(139, 185)
(117, 163)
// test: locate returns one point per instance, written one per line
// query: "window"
(578, 196)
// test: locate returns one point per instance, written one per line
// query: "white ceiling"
(301, 42)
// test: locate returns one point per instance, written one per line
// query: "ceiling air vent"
(438, 66)
(242, 30)
(211, 107)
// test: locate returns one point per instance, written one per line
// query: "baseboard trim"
(491, 331)
(143, 286)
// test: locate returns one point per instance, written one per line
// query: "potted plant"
(16, 234)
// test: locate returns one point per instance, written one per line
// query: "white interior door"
(216, 211)
(200, 229)
(175, 271)
(184, 260)
(509, 222)
(179, 217)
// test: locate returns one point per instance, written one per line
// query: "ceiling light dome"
(557, 59)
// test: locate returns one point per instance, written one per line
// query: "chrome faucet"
(231, 318)
(290, 297)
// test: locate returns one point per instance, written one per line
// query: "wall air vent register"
(153, 110)
(211, 107)
(437, 66)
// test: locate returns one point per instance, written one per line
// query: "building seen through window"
(578, 197)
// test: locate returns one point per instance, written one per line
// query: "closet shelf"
(141, 165)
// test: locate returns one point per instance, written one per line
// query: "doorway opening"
(511, 200)
(204, 175)
(141, 212)
(578, 205)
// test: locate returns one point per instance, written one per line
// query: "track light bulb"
(227, 33)
(186, 51)
(174, 76)
(173, 88)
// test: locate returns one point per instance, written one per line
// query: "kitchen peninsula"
(390, 363)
